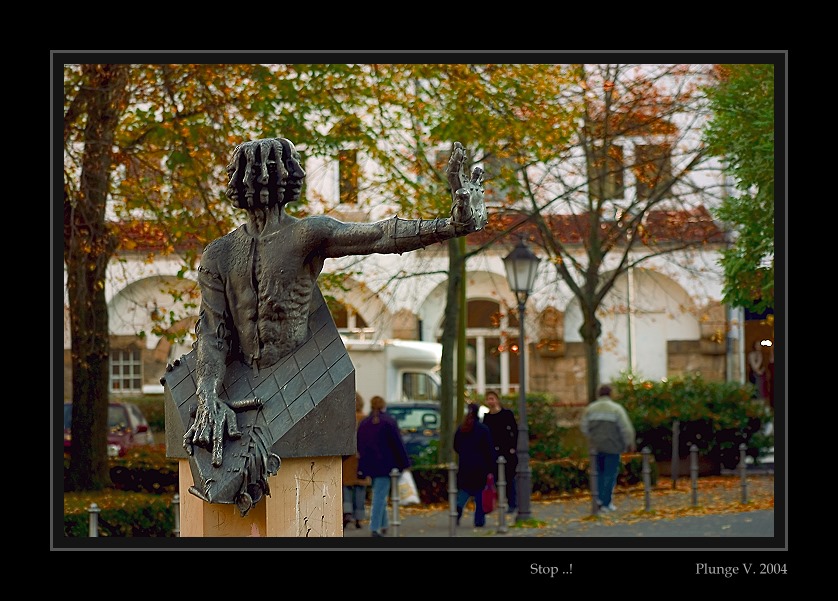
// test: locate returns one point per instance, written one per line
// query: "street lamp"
(521, 266)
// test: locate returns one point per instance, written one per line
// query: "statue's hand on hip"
(215, 420)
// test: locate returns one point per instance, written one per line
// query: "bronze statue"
(259, 285)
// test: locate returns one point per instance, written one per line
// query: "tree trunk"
(88, 246)
(590, 331)
(449, 344)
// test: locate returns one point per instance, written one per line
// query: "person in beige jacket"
(354, 488)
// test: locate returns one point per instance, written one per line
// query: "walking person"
(504, 431)
(610, 433)
(354, 488)
(473, 445)
(380, 449)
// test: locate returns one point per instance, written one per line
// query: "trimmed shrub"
(120, 514)
(145, 469)
(548, 440)
(715, 416)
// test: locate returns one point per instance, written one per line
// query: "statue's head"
(264, 173)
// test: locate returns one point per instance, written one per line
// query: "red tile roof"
(660, 227)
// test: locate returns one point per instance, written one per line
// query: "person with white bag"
(380, 449)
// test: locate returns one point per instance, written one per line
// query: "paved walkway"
(719, 512)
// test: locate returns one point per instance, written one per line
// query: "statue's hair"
(256, 174)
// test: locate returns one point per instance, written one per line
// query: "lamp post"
(521, 267)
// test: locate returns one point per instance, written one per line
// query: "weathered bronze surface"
(302, 398)
(269, 375)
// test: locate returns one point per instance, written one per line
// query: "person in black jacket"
(473, 444)
(504, 430)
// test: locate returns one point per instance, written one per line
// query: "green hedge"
(142, 469)
(121, 513)
(715, 416)
(145, 469)
(564, 475)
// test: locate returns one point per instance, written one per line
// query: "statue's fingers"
(233, 426)
(455, 161)
(187, 439)
(477, 175)
(204, 427)
(218, 444)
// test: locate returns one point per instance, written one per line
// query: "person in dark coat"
(380, 449)
(504, 430)
(473, 444)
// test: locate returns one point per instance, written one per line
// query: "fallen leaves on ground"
(714, 495)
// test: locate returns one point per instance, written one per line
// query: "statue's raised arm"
(257, 286)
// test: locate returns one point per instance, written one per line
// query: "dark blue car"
(418, 422)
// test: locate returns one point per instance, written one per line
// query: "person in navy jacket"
(380, 449)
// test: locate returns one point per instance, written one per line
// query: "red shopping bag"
(490, 494)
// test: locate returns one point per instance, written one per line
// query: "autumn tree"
(494, 110)
(148, 144)
(628, 187)
(101, 95)
(741, 132)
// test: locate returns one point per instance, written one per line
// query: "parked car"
(127, 428)
(419, 423)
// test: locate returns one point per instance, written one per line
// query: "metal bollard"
(93, 510)
(593, 482)
(675, 464)
(176, 509)
(503, 505)
(647, 478)
(452, 499)
(694, 473)
(742, 472)
(395, 501)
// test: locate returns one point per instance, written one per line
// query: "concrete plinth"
(305, 501)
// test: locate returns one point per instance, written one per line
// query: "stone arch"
(638, 323)
(153, 304)
(366, 304)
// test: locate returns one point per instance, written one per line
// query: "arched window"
(491, 347)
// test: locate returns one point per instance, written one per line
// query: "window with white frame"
(126, 371)
(348, 175)
(491, 358)
(652, 168)
(605, 172)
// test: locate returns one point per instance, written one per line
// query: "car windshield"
(413, 418)
(117, 418)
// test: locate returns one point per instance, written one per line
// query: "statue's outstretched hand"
(469, 209)
(215, 419)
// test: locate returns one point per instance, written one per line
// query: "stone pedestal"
(305, 501)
